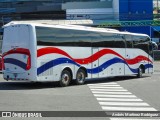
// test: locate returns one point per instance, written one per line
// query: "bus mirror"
(154, 45)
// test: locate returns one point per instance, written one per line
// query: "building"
(126, 15)
(29, 9)
(29, 6)
(109, 9)
(83, 9)
(95, 9)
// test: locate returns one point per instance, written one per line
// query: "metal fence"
(108, 19)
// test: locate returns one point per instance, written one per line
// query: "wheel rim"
(140, 72)
(80, 77)
(65, 78)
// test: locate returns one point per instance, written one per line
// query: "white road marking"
(110, 83)
(118, 99)
(114, 85)
(124, 103)
(104, 87)
(120, 96)
(108, 90)
(113, 97)
(116, 93)
(108, 108)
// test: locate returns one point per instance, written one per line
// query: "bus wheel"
(140, 72)
(65, 78)
(80, 78)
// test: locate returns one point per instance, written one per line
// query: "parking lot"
(24, 96)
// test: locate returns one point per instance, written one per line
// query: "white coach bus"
(40, 52)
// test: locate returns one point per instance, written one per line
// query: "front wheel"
(80, 78)
(65, 78)
(140, 72)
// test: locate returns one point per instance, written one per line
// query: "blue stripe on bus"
(15, 62)
(148, 66)
(105, 65)
(109, 63)
(54, 63)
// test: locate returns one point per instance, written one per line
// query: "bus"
(44, 53)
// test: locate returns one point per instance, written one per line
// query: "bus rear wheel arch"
(66, 77)
(81, 76)
(141, 70)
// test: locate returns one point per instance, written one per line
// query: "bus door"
(95, 63)
(130, 54)
(118, 68)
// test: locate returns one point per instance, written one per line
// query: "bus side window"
(103, 40)
(141, 42)
(110, 40)
(129, 41)
(119, 41)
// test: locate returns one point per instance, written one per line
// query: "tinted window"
(129, 41)
(67, 37)
(62, 37)
(119, 41)
(111, 40)
(141, 42)
(103, 40)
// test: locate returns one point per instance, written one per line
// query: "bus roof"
(71, 24)
(54, 22)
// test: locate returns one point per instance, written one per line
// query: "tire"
(80, 77)
(65, 78)
(140, 72)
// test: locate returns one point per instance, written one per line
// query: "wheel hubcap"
(80, 77)
(65, 78)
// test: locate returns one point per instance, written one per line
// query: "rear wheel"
(65, 78)
(140, 72)
(80, 78)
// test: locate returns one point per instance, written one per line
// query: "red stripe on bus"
(94, 57)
